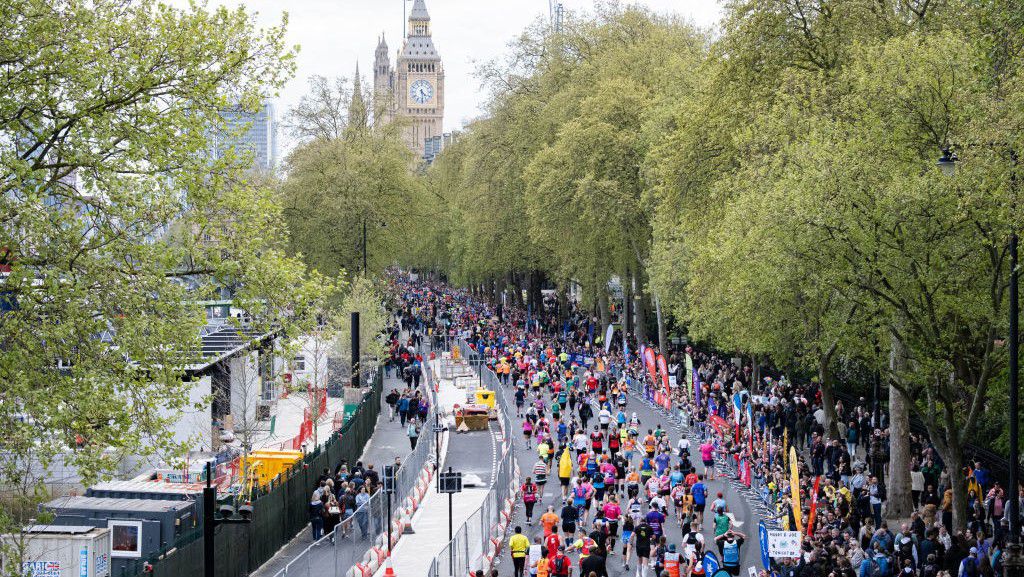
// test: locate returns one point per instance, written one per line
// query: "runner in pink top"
(707, 454)
(612, 512)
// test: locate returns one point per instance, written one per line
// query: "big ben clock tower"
(419, 82)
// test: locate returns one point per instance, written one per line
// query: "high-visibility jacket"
(672, 564)
(543, 567)
(565, 465)
(518, 545)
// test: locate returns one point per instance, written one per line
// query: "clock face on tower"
(421, 91)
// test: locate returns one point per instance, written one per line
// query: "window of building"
(300, 363)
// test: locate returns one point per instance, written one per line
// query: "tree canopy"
(774, 185)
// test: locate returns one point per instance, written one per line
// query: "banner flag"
(794, 488)
(650, 363)
(663, 369)
(814, 507)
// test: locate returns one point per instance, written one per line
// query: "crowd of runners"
(623, 482)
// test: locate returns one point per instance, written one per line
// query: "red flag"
(720, 424)
(663, 369)
(651, 364)
(814, 506)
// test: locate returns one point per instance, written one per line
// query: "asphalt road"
(740, 504)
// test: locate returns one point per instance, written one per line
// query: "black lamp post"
(210, 521)
(1013, 563)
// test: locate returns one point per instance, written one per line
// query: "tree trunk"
(755, 374)
(602, 306)
(955, 463)
(563, 305)
(531, 300)
(538, 294)
(627, 306)
(501, 285)
(517, 290)
(828, 398)
(639, 299)
(662, 339)
(900, 503)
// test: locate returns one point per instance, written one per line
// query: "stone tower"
(383, 84)
(358, 115)
(418, 82)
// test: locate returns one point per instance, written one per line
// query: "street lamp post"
(210, 521)
(1014, 561)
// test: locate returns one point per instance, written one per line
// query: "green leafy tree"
(116, 220)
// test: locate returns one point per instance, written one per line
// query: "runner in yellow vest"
(518, 545)
(565, 472)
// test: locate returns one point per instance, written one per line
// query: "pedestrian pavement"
(388, 441)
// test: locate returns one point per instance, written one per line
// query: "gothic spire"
(358, 117)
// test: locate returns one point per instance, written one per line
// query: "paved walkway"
(388, 441)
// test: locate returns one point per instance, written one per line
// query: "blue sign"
(762, 534)
(710, 563)
(83, 562)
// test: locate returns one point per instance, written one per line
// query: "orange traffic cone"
(389, 571)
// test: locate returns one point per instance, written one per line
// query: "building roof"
(63, 529)
(149, 487)
(225, 340)
(116, 504)
(419, 48)
(419, 11)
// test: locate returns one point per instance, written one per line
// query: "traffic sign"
(449, 482)
(389, 478)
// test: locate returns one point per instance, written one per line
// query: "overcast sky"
(334, 34)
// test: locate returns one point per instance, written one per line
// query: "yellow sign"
(485, 397)
(456, 354)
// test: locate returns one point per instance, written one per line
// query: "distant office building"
(433, 145)
(431, 148)
(250, 133)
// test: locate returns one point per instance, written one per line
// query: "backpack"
(970, 567)
(561, 564)
(529, 493)
(880, 567)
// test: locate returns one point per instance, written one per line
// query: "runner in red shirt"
(552, 541)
